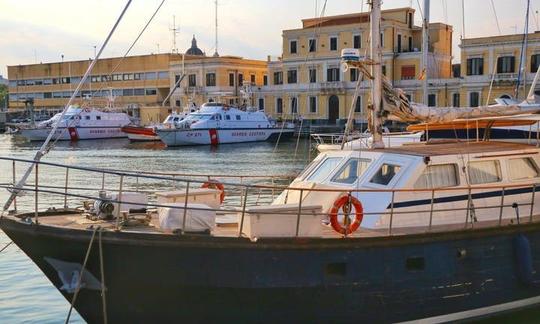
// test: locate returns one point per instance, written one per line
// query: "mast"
(216, 54)
(376, 89)
(425, 51)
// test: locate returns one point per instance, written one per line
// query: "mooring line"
(6, 246)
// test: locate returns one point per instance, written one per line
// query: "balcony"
(333, 87)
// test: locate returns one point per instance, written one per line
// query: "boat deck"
(137, 224)
(457, 147)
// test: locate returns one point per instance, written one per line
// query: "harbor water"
(25, 294)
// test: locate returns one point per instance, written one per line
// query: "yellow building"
(497, 60)
(215, 78)
(307, 80)
(137, 81)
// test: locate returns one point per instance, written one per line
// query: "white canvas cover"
(199, 219)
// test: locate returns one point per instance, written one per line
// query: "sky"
(34, 31)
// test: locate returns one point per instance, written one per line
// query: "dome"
(194, 50)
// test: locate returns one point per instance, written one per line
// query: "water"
(26, 295)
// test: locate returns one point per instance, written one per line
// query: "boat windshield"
(323, 169)
(197, 117)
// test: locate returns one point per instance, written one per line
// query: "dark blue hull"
(494, 134)
(156, 278)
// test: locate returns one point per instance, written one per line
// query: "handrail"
(280, 187)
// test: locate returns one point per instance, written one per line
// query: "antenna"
(216, 54)
(175, 31)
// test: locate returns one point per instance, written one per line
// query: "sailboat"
(429, 232)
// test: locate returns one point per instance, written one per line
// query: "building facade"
(308, 81)
(137, 81)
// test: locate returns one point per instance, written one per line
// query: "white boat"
(217, 123)
(80, 124)
(148, 133)
(332, 142)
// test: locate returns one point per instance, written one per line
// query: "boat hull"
(140, 134)
(73, 133)
(175, 137)
(165, 278)
(512, 134)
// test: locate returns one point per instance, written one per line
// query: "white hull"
(73, 133)
(142, 138)
(220, 136)
(364, 143)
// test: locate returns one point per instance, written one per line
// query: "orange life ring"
(339, 204)
(214, 184)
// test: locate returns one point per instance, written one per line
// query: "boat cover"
(199, 217)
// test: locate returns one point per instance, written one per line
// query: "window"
(279, 106)
(484, 172)
(312, 75)
(151, 92)
(354, 75)
(408, 72)
(332, 75)
(312, 44)
(240, 79)
(535, 62)
(313, 104)
(399, 43)
(192, 80)
(292, 76)
(278, 77)
(127, 92)
(382, 39)
(358, 105)
(261, 103)
(117, 77)
(87, 117)
(163, 75)
(265, 79)
(138, 92)
(384, 70)
(238, 117)
(506, 64)
(438, 176)
(522, 169)
(410, 44)
(333, 43)
(227, 117)
(210, 79)
(294, 105)
(385, 174)
(351, 171)
(357, 41)
(147, 76)
(455, 100)
(475, 66)
(293, 47)
(432, 100)
(98, 117)
(410, 20)
(252, 78)
(178, 103)
(324, 169)
(176, 79)
(474, 99)
(231, 79)
(47, 95)
(128, 77)
(137, 76)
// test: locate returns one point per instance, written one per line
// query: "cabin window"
(175, 119)
(324, 169)
(87, 117)
(438, 176)
(484, 172)
(523, 169)
(227, 117)
(238, 117)
(386, 173)
(98, 117)
(349, 173)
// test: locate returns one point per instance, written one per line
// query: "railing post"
(137, 183)
(502, 206)
(14, 183)
(299, 212)
(119, 201)
(273, 189)
(66, 188)
(103, 181)
(241, 227)
(468, 207)
(186, 198)
(391, 213)
(36, 184)
(532, 202)
(431, 209)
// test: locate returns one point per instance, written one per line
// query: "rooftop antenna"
(216, 54)
(175, 31)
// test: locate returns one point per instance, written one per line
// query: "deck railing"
(252, 190)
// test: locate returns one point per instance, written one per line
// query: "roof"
(460, 147)
(346, 19)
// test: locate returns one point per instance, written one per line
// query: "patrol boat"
(430, 232)
(79, 124)
(217, 123)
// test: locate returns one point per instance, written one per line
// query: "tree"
(3, 96)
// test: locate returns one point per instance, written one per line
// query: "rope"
(78, 288)
(6, 246)
(101, 265)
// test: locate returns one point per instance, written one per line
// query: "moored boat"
(217, 123)
(148, 133)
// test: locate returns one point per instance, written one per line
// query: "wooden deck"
(461, 147)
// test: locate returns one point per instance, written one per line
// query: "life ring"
(214, 184)
(343, 202)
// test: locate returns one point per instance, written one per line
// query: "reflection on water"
(25, 294)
